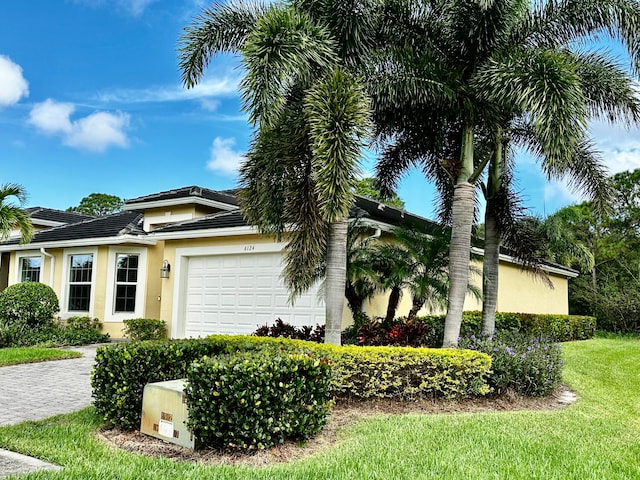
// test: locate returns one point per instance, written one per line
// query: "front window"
(126, 282)
(30, 269)
(80, 273)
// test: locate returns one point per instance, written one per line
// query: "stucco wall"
(518, 291)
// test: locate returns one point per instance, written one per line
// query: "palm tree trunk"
(490, 267)
(491, 261)
(336, 278)
(353, 299)
(462, 210)
(415, 308)
(392, 305)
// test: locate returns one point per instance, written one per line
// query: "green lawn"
(597, 438)
(15, 356)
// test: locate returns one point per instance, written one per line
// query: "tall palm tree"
(310, 115)
(457, 66)
(608, 93)
(13, 216)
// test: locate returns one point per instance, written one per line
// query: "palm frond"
(337, 112)
(223, 27)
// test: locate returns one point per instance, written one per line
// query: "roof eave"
(178, 201)
(85, 242)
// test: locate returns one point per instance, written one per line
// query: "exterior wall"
(102, 285)
(518, 291)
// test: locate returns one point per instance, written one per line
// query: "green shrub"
(250, 400)
(122, 370)
(406, 373)
(430, 333)
(531, 366)
(286, 330)
(82, 331)
(32, 304)
(71, 332)
(140, 329)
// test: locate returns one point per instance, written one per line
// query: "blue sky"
(91, 101)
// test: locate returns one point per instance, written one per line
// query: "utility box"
(164, 413)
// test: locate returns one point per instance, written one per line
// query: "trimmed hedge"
(429, 330)
(256, 401)
(122, 370)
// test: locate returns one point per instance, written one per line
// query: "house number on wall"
(249, 248)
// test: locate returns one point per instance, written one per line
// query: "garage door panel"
(237, 293)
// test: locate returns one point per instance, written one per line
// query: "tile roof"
(224, 196)
(372, 209)
(51, 215)
(108, 226)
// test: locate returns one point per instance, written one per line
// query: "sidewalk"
(35, 391)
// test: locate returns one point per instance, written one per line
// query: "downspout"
(52, 264)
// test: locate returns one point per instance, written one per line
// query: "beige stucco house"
(186, 256)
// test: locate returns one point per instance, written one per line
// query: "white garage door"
(237, 293)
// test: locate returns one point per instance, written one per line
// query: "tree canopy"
(98, 205)
(12, 215)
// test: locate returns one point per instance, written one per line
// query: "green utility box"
(164, 413)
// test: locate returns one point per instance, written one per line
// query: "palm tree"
(310, 115)
(457, 66)
(13, 216)
(608, 93)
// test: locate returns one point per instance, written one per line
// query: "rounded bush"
(141, 329)
(29, 303)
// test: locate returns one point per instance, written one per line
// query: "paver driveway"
(39, 390)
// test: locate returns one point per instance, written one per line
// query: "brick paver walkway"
(36, 391)
(39, 390)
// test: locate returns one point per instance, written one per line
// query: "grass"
(15, 356)
(598, 437)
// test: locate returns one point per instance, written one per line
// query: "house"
(187, 256)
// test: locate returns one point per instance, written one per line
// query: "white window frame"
(28, 254)
(66, 264)
(141, 285)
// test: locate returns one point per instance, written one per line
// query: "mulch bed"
(343, 414)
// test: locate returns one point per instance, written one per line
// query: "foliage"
(249, 400)
(32, 304)
(368, 187)
(530, 366)
(605, 248)
(140, 329)
(14, 216)
(122, 370)
(406, 373)
(70, 332)
(427, 331)
(98, 205)
(286, 330)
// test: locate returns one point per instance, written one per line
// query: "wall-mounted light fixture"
(165, 269)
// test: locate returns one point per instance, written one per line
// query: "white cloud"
(99, 131)
(95, 132)
(223, 157)
(557, 192)
(206, 90)
(131, 7)
(135, 7)
(13, 85)
(620, 146)
(52, 117)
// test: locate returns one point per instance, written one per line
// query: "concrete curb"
(12, 463)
